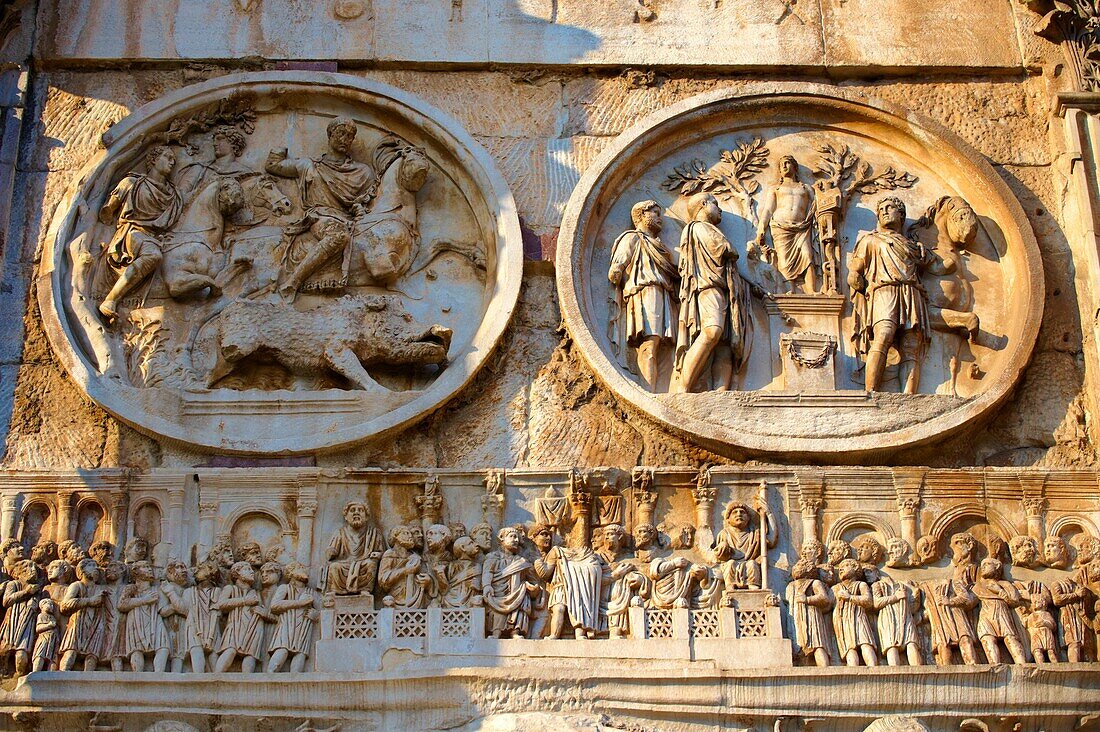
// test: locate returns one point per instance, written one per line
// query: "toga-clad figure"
(789, 215)
(353, 554)
(508, 584)
(715, 311)
(892, 306)
(643, 278)
(334, 189)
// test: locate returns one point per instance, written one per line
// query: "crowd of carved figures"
(576, 570)
(695, 302)
(68, 607)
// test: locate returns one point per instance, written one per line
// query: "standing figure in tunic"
(789, 215)
(437, 558)
(508, 583)
(643, 277)
(19, 596)
(542, 537)
(293, 608)
(464, 575)
(145, 608)
(177, 581)
(891, 307)
(950, 603)
(995, 619)
(738, 545)
(575, 590)
(1041, 627)
(898, 604)
(401, 573)
(353, 553)
(85, 603)
(808, 600)
(114, 577)
(1069, 597)
(200, 630)
(855, 636)
(715, 325)
(244, 633)
(47, 637)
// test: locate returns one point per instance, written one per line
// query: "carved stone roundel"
(281, 262)
(799, 271)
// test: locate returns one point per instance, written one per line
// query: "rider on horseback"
(335, 189)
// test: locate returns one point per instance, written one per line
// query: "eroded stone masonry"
(488, 365)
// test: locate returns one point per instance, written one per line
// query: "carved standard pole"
(645, 495)
(492, 503)
(64, 515)
(762, 500)
(9, 516)
(307, 512)
(704, 494)
(580, 500)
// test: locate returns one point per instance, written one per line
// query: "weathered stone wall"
(537, 404)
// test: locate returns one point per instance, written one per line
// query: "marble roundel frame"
(470, 175)
(627, 172)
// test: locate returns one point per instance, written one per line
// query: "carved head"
(542, 536)
(897, 552)
(438, 538)
(228, 140)
(44, 552)
(737, 515)
(1055, 552)
(466, 548)
(251, 552)
(114, 571)
(990, 568)
(890, 212)
(839, 550)
(928, 549)
(102, 551)
(961, 224)
(417, 532)
(646, 216)
(341, 133)
(178, 573)
(270, 574)
(206, 572)
(413, 173)
(88, 571)
(644, 536)
(868, 550)
(46, 606)
(849, 569)
(355, 515)
(297, 572)
(142, 572)
(510, 538)
(242, 572)
(962, 547)
(70, 551)
(1088, 550)
(812, 551)
(230, 196)
(8, 549)
(788, 168)
(684, 538)
(482, 534)
(614, 536)
(401, 536)
(59, 571)
(804, 570)
(1024, 550)
(457, 529)
(136, 550)
(704, 207)
(25, 570)
(161, 159)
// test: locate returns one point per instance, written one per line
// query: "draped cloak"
(643, 303)
(892, 270)
(504, 582)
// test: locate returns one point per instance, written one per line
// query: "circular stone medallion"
(799, 271)
(281, 262)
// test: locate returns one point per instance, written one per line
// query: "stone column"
(645, 495)
(208, 518)
(120, 503)
(580, 501)
(704, 494)
(430, 502)
(9, 516)
(811, 508)
(64, 515)
(1034, 506)
(174, 535)
(909, 484)
(307, 511)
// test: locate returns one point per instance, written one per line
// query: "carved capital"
(65, 498)
(119, 500)
(307, 508)
(208, 509)
(810, 504)
(908, 506)
(704, 493)
(430, 502)
(8, 502)
(1034, 506)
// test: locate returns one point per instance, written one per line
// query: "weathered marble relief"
(802, 272)
(281, 262)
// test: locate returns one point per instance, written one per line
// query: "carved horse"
(386, 240)
(189, 263)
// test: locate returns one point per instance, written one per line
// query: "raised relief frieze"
(240, 265)
(814, 279)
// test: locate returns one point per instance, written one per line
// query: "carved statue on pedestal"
(738, 545)
(353, 553)
(789, 215)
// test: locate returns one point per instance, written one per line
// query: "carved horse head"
(413, 172)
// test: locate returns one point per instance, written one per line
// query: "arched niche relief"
(147, 522)
(37, 523)
(262, 526)
(990, 529)
(852, 525)
(92, 522)
(1070, 527)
